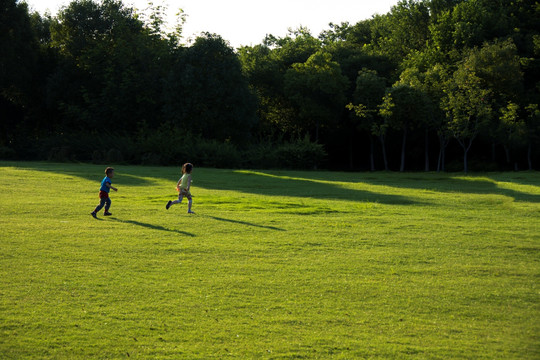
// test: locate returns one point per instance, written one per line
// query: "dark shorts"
(103, 195)
(184, 192)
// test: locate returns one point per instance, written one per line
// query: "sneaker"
(190, 212)
(93, 215)
(106, 213)
(168, 205)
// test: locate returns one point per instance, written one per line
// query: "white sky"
(246, 22)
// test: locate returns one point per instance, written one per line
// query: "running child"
(106, 186)
(183, 187)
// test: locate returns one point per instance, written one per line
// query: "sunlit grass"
(274, 264)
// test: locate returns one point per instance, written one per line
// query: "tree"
(265, 76)
(316, 88)
(532, 122)
(368, 95)
(428, 84)
(25, 63)
(265, 66)
(434, 77)
(469, 24)
(514, 129)
(404, 108)
(112, 67)
(404, 29)
(467, 107)
(206, 92)
(18, 51)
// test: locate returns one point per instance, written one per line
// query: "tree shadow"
(527, 178)
(127, 175)
(331, 185)
(153, 227)
(275, 184)
(465, 184)
(319, 185)
(244, 223)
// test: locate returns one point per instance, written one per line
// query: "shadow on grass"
(263, 183)
(153, 227)
(466, 184)
(327, 185)
(272, 184)
(244, 223)
(321, 185)
(124, 175)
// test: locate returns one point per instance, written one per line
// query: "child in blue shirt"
(106, 186)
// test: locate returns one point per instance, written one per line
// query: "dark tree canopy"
(101, 82)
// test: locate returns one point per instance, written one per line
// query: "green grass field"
(273, 265)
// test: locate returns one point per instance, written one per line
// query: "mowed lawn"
(273, 265)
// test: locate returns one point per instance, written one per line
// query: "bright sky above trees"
(246, 22)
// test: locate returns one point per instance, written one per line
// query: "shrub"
(98, 157)
(169, 146)
(162, 147)
(261, 156)
(299, 154)
(7, 153)
(212, 153)
(114, 156)
(151, 159)
(60, 154)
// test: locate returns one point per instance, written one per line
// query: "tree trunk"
(442, 148)
(466, 145)
(529, 152)
(443, 159)
(440, 162)
(426, 156)
(507, 153)
(465, 164)
(402, 167)
(350, 153)
(381, 138)
(371, 153)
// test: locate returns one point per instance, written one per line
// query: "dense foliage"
(433, 84)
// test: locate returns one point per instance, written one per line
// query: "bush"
(7, 153)
(98, 157)
(89, 147)
(151, 159)
(114, 156)
(261, 156)
(60, 154)
(300, 154)
(215, 154)
(173, 147)
(169, 146)
(163, 147)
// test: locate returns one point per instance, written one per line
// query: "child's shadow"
(153, 227)
(244, 223)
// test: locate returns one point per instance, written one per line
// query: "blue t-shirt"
(104, 187)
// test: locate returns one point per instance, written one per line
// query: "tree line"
(431, 85)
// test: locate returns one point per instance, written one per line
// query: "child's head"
(187, 168)
(109, 172)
